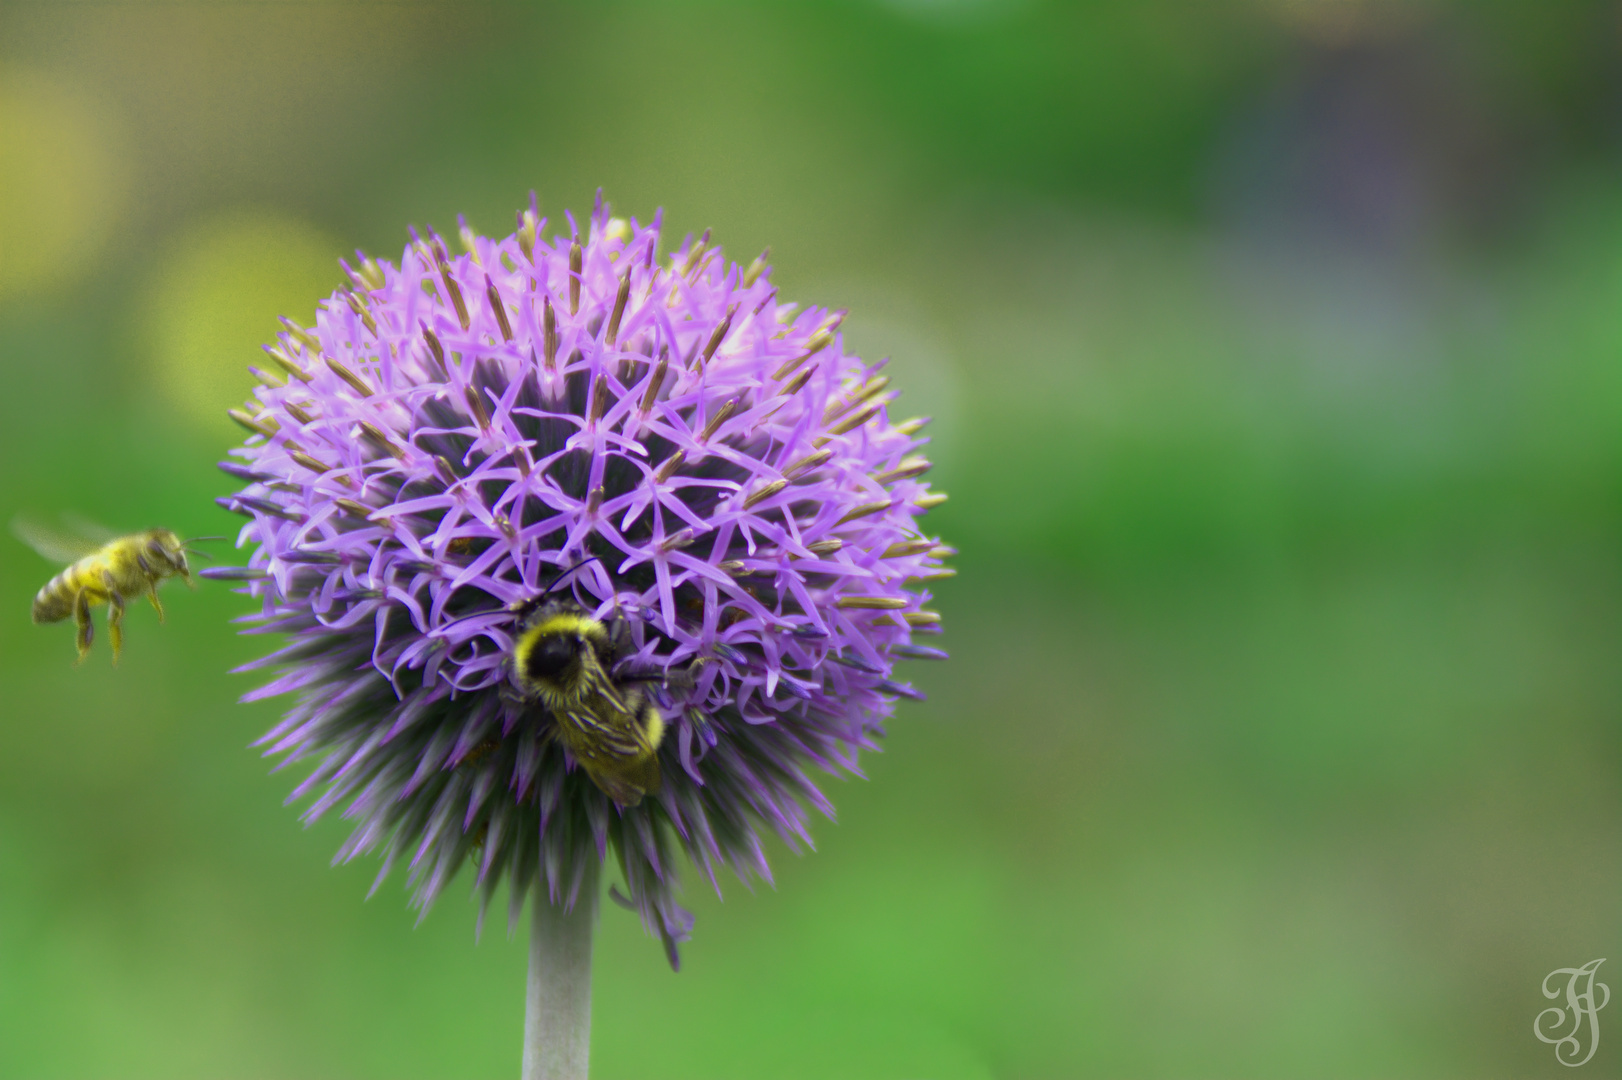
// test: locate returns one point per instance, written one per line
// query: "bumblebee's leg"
(115, 616)
(619, 639)
(152, 595)
(81, 617)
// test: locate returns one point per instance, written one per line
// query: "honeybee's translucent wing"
(91, 531)
(53, 544)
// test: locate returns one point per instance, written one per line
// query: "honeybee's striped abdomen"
(54, 602)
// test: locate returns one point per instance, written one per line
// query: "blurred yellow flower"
(217, 296)
(64, 181)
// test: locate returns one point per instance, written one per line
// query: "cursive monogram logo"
(1580, 986)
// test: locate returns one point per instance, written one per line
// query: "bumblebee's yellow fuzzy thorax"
(565, 622)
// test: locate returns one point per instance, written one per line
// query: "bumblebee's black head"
(550, 656)
(554, 647)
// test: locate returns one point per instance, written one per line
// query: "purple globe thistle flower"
(658, 446)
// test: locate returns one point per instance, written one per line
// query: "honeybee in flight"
(563, 659)
(103, 570)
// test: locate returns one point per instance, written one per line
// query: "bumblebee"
(563, 659)
(110, 572)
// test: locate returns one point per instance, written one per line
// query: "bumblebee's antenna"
(522, 608)
(552, 587)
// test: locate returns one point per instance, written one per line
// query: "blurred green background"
(1275, 348)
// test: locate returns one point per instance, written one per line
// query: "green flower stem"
(557, 1010)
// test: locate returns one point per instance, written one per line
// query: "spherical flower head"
(689, 483)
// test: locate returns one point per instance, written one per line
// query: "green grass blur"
(1276, 357)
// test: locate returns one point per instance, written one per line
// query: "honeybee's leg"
(81, 617)
(152, 594)
(115, 623)
(115, 616)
